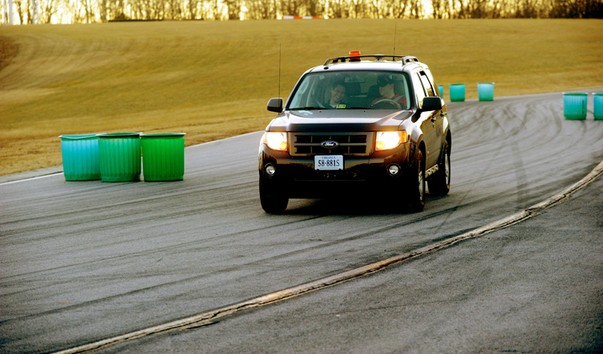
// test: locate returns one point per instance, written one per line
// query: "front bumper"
(297, 177)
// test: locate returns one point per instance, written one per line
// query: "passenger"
(337, 95)
(388, 93)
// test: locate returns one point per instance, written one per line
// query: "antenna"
(280, 49)
(395, 33)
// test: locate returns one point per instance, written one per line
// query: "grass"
(213, 79)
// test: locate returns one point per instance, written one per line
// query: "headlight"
(389, 140)
(275, 140)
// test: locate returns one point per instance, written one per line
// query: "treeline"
(93, 11)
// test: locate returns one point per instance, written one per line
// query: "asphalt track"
(82, 262)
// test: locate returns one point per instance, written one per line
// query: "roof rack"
(377, 57)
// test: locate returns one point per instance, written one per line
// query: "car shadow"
(352, 206)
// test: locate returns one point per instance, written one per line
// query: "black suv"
(358, 125)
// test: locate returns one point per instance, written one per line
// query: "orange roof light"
(354, 55)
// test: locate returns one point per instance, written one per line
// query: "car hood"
(338, 120)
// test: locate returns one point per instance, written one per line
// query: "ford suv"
(357, 125)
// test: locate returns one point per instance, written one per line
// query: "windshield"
(352, 90)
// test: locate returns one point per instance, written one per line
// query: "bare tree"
(175, 10)
(577, 9)
(193, 9)
(291, 7)
(336, 9)
(88, 11)
(312, 7)
(438, 9)
(48, 11)
(21, 10)
(234, 9)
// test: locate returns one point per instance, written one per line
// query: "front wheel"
(272, 199)
(439, 183)
(416, 184)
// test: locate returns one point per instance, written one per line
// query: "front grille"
(351, 144)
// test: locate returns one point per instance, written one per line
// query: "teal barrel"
(163, 156)
(598, 105)
(120, 157)
(441, 90)
(80, 157)
(574, 105)
(485, 91)
(457, 92)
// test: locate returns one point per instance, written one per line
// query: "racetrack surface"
(83, 261)
(532, 287)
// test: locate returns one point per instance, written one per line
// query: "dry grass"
(213, 79)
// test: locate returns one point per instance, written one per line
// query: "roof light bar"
(355, 56)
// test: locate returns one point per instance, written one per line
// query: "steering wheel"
(386, 103)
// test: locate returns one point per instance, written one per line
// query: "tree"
(48, 11)
(89, 11)
(234, 9)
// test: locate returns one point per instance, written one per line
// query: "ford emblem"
(329, 144)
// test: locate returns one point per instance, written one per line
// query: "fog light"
(270, 170)
(393, 170)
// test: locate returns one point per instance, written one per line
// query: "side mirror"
(431, 103)
(275, 105)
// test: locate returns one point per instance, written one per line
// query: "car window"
(427, 87)
(351, 90)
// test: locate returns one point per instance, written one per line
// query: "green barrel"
(598, 105)
(441, 90)
(457, 92)
(163, 156)
(119, 157)
(80, 157)
(485, 91)
(574, 105)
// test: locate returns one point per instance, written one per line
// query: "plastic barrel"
(119, 157)
(457, 92)
(574, 105)
(441, 90)
(485, 91)
(598, 103)
(80, 157)
(163, 156)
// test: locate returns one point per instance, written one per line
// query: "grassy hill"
(213, 79)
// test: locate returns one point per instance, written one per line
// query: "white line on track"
(52, 174)
(206, 318)
(60, 172)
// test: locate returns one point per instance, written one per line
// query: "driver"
(388, 92)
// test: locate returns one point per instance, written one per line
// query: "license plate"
(328, 162)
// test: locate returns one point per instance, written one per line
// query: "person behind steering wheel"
(389, 98)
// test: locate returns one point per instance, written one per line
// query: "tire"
(273, 201)
(439, 183)
(416, 184)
